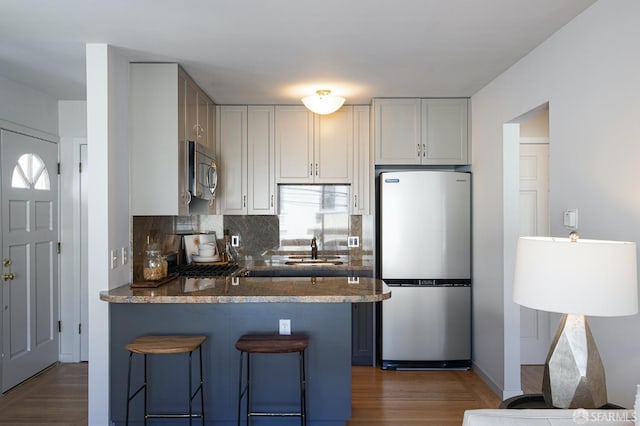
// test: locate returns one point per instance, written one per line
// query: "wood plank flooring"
(58, 396)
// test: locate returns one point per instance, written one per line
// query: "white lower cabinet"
(245, 152)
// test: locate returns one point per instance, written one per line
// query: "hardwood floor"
(58, 396)
(394, 398)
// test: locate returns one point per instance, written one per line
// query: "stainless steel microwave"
(203, 171)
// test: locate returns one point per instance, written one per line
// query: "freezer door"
(427, 324)
(425, 226)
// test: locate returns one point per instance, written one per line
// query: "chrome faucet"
(314, 248)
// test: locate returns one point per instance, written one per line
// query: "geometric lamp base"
(573, 373)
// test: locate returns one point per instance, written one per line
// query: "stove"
(203, 270)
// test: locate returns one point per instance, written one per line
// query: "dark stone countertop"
(255, 290)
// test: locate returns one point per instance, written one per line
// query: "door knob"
(9, 276)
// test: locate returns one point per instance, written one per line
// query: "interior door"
(29, 252)
(535, 334)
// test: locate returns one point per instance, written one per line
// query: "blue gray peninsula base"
(275, 377)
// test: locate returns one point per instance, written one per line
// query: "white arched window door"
(29, 256)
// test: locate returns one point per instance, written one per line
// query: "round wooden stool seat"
(165, 344)
(272, 343)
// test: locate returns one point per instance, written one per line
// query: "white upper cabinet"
(158, 160)
(362, 165)
(396, 131)
(421, 131)
(199, 128)
(246, 155)
(445, 131)
(313, 148)
(261, 160)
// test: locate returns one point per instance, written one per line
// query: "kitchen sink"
(314, 262)
(308, 257)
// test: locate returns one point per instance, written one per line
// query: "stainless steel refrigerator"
(425, 257)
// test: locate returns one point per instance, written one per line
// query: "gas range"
(209, 270)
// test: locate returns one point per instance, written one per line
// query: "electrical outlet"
(235, 240)
(353, 241)
(285, 326)
(125, 255)
(353, 280)
(114, 259)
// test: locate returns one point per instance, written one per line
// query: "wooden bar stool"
(162, 345)
(271, 344)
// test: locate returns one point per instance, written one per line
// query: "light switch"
(571, 218)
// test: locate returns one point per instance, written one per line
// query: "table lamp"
(575, 277)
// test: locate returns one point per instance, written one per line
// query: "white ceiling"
(276, 51)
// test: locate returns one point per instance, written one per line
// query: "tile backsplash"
(306, 211)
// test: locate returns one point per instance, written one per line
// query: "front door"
(29, 187)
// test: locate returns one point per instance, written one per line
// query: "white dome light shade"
(323, 102)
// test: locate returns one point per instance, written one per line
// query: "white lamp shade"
(587, 277)
(323, 102)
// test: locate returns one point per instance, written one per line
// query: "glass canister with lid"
(154, 264)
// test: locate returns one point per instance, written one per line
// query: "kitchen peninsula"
(225, 308)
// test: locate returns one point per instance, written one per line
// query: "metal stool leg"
(240, 388)
(248, 386)
(146, 411)
(303, 390)
(201, 387)
(189, 392)
(126, 421)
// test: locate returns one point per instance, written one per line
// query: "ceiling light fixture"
(323, 102)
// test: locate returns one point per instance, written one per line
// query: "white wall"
(589, 73)
(72, 124)
(28, 107)
(107, 134)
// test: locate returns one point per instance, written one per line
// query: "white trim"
(534, 139)
(28, 131)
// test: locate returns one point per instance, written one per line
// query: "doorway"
(535, 331)
(29, 194)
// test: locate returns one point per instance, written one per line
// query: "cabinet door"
(360, 190)
(294, 144)
(444, 131)
(202, 112)
(211, 126)
(260, 160)
(192, 111)
(397, 131)
(231, 155)
(333, 147)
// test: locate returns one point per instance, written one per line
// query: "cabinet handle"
(424, 150)
(355, 200)
(244, 201)
(310, 169)
(316, 169)
(419, 153)
(187, 197)
(271, 200)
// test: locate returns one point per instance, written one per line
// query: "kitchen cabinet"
(161, 103)
(362, 332)
(313, 148)
(199, 128)
(416, 131)
(158, 164)
(362, 170)
(246, 156)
